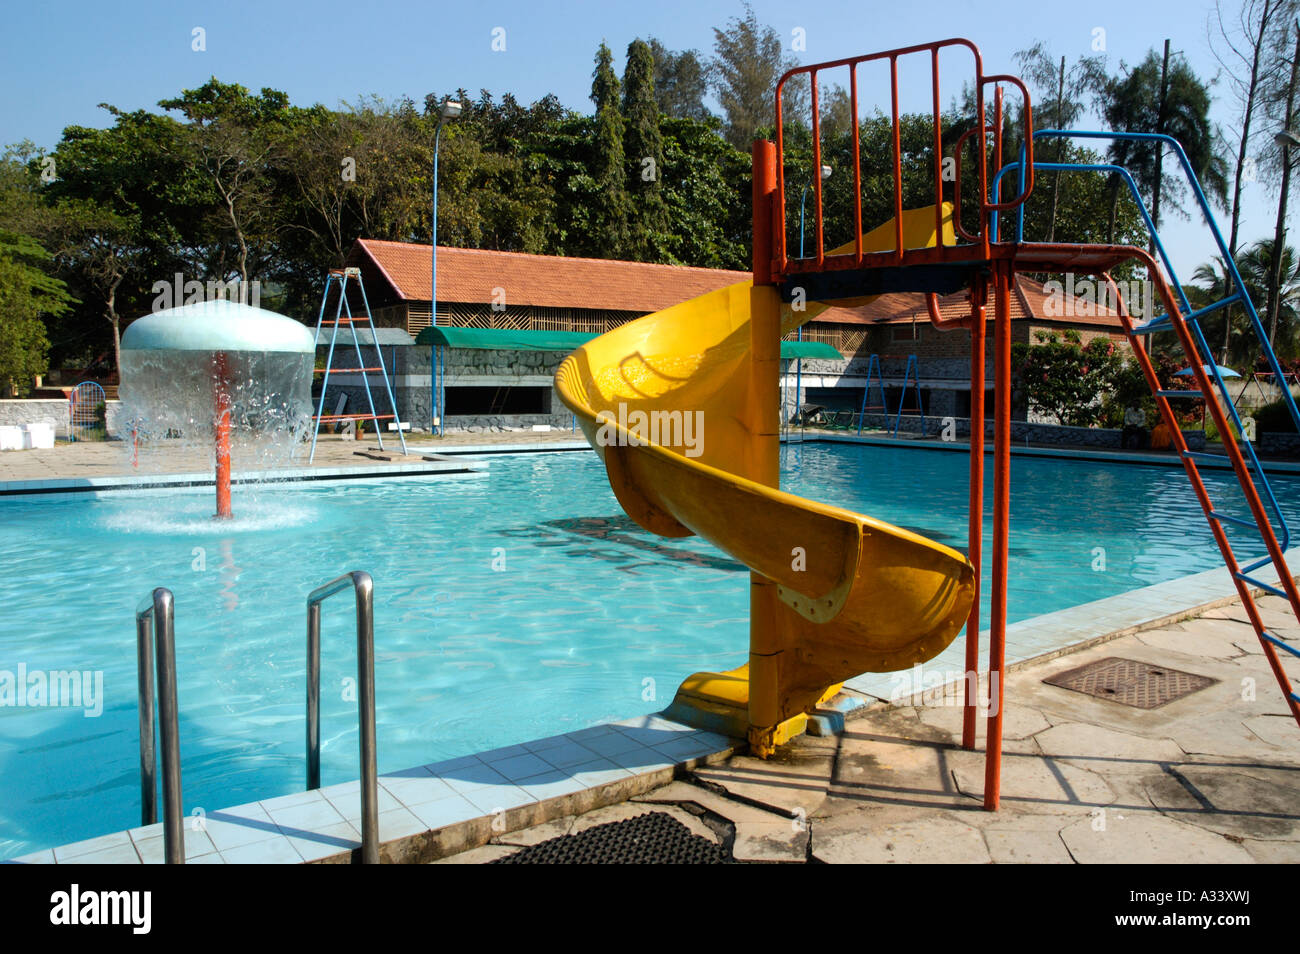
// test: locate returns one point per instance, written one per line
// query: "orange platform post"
(975, 536)
(1002, 274)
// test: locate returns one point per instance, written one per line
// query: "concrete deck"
(106, 459)
(1209, 778)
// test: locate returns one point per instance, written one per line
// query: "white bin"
(11, 437)
(38, 436)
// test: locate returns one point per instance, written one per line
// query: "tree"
(103, 249)
(358, 171)
(1256, 265)
(680, 83)
(1066, 379)
(836, 108)
(236, 139)
(608, 175)
(644, 148)
(1246, 48)
(127, 209)
(748, 61)
(1274, 284)
(27, 292)
(1211, 283)
(1149, 98)
(507, 173)
(1061, 100)
(707, 196)
(1274, 300)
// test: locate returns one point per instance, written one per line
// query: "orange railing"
(820, 261)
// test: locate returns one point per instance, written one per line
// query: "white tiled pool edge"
(430, 811)
(285, 475)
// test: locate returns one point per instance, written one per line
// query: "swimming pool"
(508, 607)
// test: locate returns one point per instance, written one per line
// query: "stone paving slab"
(795, 783)
(761, 836)
(839, 841)
(1147, 838)
(433, 811)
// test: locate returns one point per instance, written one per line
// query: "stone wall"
(1279, 445)
(1021, 431)
(52, 411)
(409, 369)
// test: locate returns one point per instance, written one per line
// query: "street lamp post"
(803, 199)
(450, 110)
(798, 374)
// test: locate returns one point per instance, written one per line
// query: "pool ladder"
(157, 611)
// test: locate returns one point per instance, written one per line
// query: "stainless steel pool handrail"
(157, 611)
(364, 588)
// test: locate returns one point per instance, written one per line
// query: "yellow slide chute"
(681, 405)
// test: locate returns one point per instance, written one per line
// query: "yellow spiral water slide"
(681, 405)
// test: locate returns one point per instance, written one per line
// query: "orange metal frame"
(772, 264)
(991, 264)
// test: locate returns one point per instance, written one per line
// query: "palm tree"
(1256, 267)
(1132, 103)
(1211, 284)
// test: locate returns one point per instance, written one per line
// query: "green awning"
(808, 349)
(503, 339)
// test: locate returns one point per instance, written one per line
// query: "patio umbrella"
(1223, 372)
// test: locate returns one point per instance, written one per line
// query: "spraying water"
(218, 374)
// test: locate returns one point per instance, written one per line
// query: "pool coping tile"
(325, 841)
(150, 847)
(98, 844)
(443, 812)
(276, 850)
(239, 826)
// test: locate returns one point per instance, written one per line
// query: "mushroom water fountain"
(222, 371)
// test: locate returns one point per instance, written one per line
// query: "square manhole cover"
(1131, 683)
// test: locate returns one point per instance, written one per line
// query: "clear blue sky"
(58, 61)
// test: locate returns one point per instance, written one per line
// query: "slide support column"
(1002, 273)
(764, 426)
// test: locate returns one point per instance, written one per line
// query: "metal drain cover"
(654, 838)
(1130, 682)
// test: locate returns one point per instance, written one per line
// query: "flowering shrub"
(1062, 377)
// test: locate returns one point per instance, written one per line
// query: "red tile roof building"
(530, 291)
(487, 289)
(482, 288)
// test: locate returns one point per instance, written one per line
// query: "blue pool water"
(508, 607)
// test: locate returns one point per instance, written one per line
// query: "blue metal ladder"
(343, 316)
(913, 374)
(873, 365)
(1183, 320)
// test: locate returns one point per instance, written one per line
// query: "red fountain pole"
(221, 431)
